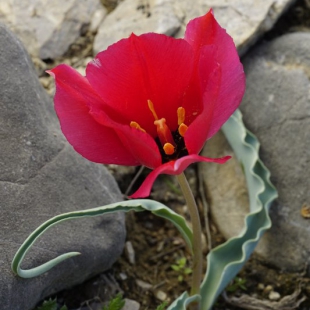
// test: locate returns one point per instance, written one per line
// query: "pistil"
(172, 143)
(163, 131)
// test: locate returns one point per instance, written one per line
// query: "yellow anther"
(168, 148)
(137, 126)
(181, 115)
(151, 107)
(182, 129)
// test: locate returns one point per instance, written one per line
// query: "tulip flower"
(152, 100)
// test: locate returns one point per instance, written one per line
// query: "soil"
(144, 272)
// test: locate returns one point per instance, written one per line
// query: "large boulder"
(47, 28)
(276, 107)
(245, 21)
(41, 176)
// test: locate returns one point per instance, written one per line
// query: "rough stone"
(276, 108)
(244, 20)
(41, 176)
(226, 187)
(274, 296)
(47, 28)
(131, 304)
(161, 16)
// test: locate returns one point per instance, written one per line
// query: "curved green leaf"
(183, 301)
(137, 205)
(226, 260)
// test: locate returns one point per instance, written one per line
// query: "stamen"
(181, 118)
(151, 107)
(137, 126)
(168, 148)
(182, 129)
(181, 115)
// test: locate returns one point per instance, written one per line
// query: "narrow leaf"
(183, 301)
(136, 205)
(226, 260)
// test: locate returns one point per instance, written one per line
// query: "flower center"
(171, 143)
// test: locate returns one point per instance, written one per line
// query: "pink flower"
(151, 99)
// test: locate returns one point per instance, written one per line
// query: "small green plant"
(117, 303)
(181, 268)
(237, 283)
(50, 304)
(162, 306)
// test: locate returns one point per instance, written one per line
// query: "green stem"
(197, 244)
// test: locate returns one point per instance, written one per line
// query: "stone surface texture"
(244, 20)
(47, 28)
(42, 176)
(225, 187)
(276, 108)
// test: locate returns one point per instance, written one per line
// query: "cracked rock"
(160, 16)
(276, 108)
(245, 21)
(48, 28)
(41, 176)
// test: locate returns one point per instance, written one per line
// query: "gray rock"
(131, 305)
(276, 108)
(47, 28)
(245, 21)
(161, 16)
(41, 176)
(226, 187)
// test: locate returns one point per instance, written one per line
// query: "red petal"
(173, 168)
(204, 31)
(147, 67)
(95, 142)
(141, 145)
(197, 133)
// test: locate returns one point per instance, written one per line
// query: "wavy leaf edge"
(261, 194)
(183, 301)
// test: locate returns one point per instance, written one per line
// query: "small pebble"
(74, 59)
(160, 295)
(131, 305)
(123, 276)
(40, 66)
(45, 81)
(260, 286)
(130, 253)
(160, 246)
(148, 225)
(81, 70)
(177, 241)
(274, 296)
(144, 285)
(268, 289)
(88, 60)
